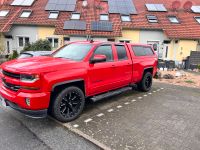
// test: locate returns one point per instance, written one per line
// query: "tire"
(68, 104)
(146, 83)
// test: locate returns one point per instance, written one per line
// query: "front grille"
(11, 86)
(11, 75)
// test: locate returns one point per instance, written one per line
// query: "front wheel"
(69, 104)
(146, 83)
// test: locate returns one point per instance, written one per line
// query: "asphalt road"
(18, 132)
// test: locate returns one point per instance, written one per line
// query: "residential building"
(174, 26)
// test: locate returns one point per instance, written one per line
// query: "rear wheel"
(68, 104)
(146, 83)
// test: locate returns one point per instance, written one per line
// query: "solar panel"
(22, 2)
(61, 5)
(196, 9)
(74, 25)
(156, 7)
(101, 26)
(125, 7)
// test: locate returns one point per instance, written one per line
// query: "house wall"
(132, 35)
(24, 31)
(2, 41)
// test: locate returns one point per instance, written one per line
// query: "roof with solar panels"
(178, 19)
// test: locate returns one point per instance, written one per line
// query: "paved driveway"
(165, 118)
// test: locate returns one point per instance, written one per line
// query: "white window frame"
(171, 18)
(151, 21)
(125, 18)
(104, 17)
(29, 12)
(75, 16)
(4, 13)
(54, 13)
(24, 43)
(53, 41)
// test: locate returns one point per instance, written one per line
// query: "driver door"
(101, 76)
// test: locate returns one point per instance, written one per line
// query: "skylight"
(197, 19)
(53, 14)
(76, 16)
(26, 14)
(22, 2)
(196, 9)
(125, 18)
(152, 18)
(104, 17)
(173, 19)
(156, 7)
(4, 13)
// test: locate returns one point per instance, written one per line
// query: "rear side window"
(105, 50)
(142, 51)
(121, 52)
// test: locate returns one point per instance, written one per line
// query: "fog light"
(28, 101)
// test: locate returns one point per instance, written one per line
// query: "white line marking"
(88, 120)
(150, 93)
(110, 110)
(119, 106)
(127, 103)
(139, 97)
(133, 100)
(100, 115)
(145, 95)
(76, 126)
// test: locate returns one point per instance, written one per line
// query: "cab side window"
(105, 50)
(121, 52)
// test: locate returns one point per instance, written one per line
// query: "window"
(53, 14)
(197, 19)
(121, 52)
(74, 51)
(105, 50)
(173, 19)
(152, 18)
(4, 13)
(26, 13)
(195, 9)
(23, 41)
(104, 17)
(126, 18)
(54, 42)
(125, 41)
(76, 16)
(142, 51)
(22, 2)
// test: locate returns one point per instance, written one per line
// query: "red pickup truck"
(60, 83)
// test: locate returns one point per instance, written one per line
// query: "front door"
(101, 76)
(8, 46)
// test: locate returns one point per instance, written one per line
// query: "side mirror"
(155, 47)
(98, 59)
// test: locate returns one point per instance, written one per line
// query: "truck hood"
(40, 65)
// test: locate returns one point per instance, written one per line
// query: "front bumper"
(39, 102)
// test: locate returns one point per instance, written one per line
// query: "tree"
(40, 45)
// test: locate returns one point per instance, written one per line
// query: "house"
(174, 26)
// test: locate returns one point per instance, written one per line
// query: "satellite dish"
(188, 5)
(176, 5)
(85, 3)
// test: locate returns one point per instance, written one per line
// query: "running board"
(110, 94)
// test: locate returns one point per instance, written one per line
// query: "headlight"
(29, 78)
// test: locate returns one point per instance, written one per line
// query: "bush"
(14, 55)
(198, 66)
(40, 45)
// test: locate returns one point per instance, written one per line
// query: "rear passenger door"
(123, 66)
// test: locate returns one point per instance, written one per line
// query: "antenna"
(176, 5)
(187, 6)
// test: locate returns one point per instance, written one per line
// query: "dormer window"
(152, 19)
(76, 16)
(53, 14)
(126, 18)
(25, 14)
(4, 13)
(104, 17)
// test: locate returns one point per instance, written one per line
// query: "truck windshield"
(73, 51)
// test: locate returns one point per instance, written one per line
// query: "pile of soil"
(182, 78)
